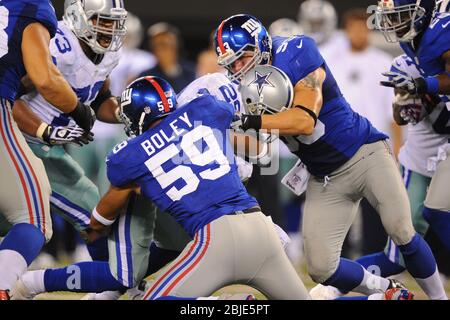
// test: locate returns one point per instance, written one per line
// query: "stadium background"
(196, 20)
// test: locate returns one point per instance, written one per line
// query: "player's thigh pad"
(24, 187)
(129, 242)
(327, 216)
(385, 190)
(438, 196)
(231, 249)
(73, 196)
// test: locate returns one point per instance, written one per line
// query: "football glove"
(59, 135)
(412, 109)
(404, 82)
(84, 116)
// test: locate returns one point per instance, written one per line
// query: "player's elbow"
(43, 83)
(304, 127)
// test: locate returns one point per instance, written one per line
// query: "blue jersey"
(185, 164)
(15, 16)
(432, 44)
(340, 131)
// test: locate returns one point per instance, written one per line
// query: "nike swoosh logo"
(445, 25)
(301, 44)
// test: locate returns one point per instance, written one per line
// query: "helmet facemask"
(102, 32)
(399, 24)
(227, 59)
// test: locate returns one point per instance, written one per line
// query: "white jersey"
(358, 75)
(132, 63)
(422, 141)
(219, 86)
(83, 75)
(215, 84)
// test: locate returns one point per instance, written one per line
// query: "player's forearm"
(41, 70)
(294, 121)
(107, 209)
(301, 118)
(27, 121)
(108, 111)
(251, 148)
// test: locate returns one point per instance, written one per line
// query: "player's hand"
(58, 135)
(404, 82)
(236, 122)
(84, 116)
(244, 122)
(90, 235)
(411, 108)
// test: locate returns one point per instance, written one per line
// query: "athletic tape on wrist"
(101, 219)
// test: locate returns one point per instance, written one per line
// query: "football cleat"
(4, 295)
(398, 294)
(394, 283)
(236, 296)
(321, 292)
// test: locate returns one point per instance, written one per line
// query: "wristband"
(250, 121)
(41, 130)
(432, 85)
(101, 219)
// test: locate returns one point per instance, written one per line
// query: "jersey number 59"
(213, 154)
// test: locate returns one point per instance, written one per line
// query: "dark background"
(197, 19)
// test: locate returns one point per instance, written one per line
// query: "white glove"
(58, 135)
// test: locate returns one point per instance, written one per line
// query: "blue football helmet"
(403, 20)
(239, 34)
(145, 100)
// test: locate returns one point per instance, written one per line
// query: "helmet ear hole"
(248, 101)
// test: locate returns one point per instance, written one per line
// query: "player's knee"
(401, 232)
(320, 270)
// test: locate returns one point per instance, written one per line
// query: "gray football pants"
(242, 248)
(331, 206)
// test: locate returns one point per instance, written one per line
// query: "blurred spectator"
(285, 27)
(164, 43)
(207, 60)
(357, 69)
(133, 60)
(319, 20)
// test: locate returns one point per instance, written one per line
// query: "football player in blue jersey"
(183, 161)
(25, 31)
(346, 156)
(178, 159)
(423, 32)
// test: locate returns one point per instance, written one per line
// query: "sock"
(82, 277)
(440, 223)
(380, 260)
(34, 281)
(18, 249)
(351, 276)
(99, 249)
(159, 258)
(432, 286)
(421, 264)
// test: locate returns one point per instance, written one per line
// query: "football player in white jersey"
(86, 50)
